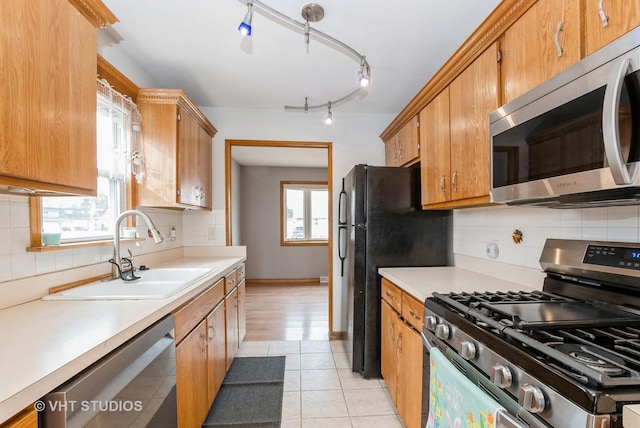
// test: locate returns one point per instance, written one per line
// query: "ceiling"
(195, 45)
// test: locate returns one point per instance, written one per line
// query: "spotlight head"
(328, 120)
(363, 80)
(245, 25)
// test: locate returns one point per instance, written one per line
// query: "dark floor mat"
(256, 370)
(251, 394)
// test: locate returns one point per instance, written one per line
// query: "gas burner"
(594, 358)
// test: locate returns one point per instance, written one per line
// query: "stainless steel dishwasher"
(133, 385)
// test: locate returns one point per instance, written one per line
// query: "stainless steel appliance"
(573, 141)
(381, 225)
(565, 356)
(132, 386)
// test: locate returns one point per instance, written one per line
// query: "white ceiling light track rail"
(312, 12)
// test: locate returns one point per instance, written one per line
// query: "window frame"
(307, 186)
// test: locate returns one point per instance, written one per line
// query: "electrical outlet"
(211, 234)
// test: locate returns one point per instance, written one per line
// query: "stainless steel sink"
(153, 284)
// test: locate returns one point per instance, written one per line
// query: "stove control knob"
(531, 398)
(468, 350)
(443, 331)
(501, 376)
(430, 322)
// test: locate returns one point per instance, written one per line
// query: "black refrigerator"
(381, 224)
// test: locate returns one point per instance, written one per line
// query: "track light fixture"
(245, 25)
(312, 12)
(328, 120)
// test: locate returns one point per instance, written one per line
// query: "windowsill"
(74, 245)
(304, 243)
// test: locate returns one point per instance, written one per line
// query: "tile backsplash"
(474, 228)
(192, 229)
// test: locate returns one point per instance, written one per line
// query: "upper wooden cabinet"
(177, 151)
(404, 147)
(542, 43)
(606, 20)
(435, 155)
(48, 91)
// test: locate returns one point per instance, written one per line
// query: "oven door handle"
(505, 420)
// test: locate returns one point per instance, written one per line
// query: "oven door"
(574, 134)
(512, 415)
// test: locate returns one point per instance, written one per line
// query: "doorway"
(281, 154)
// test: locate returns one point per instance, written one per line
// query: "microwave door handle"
(611, 127)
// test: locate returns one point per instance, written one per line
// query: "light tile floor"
(320, 390)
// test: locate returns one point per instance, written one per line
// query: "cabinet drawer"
(192, 313)
(412, 311)
(230, 281)
(392, 295)
(240, 273)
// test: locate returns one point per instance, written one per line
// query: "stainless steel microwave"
(573, 141)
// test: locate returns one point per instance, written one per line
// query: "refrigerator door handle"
(342, 213)
(342, 247)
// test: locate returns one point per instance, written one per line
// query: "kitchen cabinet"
(606, 20)
(28, 418)
(242, 311)
(540, 44)
(403, 148)
(216, 355)
(191, 377)
(435, 155)
(402, 353)
(48, 92)
(234, 301)
(455, 137)
(177, 150)
(199, 330)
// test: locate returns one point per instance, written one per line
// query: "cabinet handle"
(204, 342)
(454, 180)
(603, 16)
(442, 184)
(400, 342)
(559, 49)
(389, 294)
(212, 332)
(413, 314)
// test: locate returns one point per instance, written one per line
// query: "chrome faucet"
(120, 265)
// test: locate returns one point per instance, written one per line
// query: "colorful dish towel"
(455, 401)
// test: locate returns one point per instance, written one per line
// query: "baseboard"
(337, 335)
(292, 281)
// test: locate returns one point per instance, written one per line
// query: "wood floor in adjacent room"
(287, 312)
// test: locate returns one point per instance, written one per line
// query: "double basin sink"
(158, 283)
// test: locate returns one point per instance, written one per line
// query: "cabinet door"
(242, 311)
(391, 151)
(28, 418)
(472, 96)
(191, 378)
(606, 20)
(231, 306)
(194, 162)
(409, 400)
(541, 43)
(48, 92)
(216, 351)
(435, 150)
(408, 145)
(389, 355)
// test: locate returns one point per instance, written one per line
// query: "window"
(305, 213)
(78, 218)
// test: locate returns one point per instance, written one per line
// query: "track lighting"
(329, 119)
(245, 25)
(312, 12)
(363, 74)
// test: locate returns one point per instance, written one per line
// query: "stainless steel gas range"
(565, 356)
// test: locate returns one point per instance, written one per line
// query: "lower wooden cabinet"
(191, 378)
(242, 311)
(231, 307)
(216, 352)
(28, 418)
(402, 354)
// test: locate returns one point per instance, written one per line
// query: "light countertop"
(422, 282)
(45, 343)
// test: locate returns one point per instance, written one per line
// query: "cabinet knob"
(531, 398)
(501, 376)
